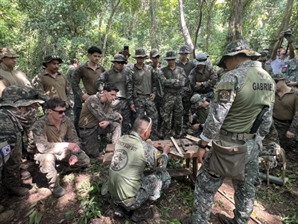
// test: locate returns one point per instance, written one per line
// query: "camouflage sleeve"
(36, 83)
(267, 121)
(219, 108)
(294, 125)
(154, 158)
(192, 80)
(41, 140)
(99, 84)
(130, 87)
(212, 80)
(180, 82)
(94, 107)
(75, 84)
(71, 132)
(154, 81)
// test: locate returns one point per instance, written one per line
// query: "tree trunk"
(153, 28)
(100, 19)
(286, 19)
(184, 28)
(208, 23)
(109, 24)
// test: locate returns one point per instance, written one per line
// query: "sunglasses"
(59, 111)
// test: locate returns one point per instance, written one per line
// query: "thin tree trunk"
(286, 19)
(184, 28)
(198, 28)
(208, 23)
(100, 19)
(153, 33)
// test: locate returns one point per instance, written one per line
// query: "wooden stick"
(176, 145)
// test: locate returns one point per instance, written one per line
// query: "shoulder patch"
(224, 92)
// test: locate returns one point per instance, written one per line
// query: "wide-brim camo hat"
(8, 53)
(154, 53)
(50, 58)
(238, 47)
(279, 76)
(184, 50)
(119, 58)
(201, 59)
(17, 96)
(170, 55)
(140, 53)
(197, 100)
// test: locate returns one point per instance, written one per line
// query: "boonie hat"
(140, 53)
(184, 50)
(154, 53)
(17, 96)
(119, 58)
(8, 53)
(238, 47)
(197, 100)
(201, 59)
(170, 55)
(278, 76)
(50, 58)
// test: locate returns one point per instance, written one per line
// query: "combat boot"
(6, 216)
(58, 191)
(19, 191)
(225, 220)
(144, 213)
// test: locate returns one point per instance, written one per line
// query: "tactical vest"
(127, 167)
(257, 91)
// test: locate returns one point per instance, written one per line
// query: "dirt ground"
(83, 202)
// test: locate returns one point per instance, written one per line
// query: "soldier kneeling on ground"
(18, 108)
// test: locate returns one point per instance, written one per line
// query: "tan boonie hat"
(8, 53)
(238, 47)
(278, 76)
(119, 58)
(50, 58)
(140, 53)
(17, 96)
(197, 100)
(170, 55)
(154, 53)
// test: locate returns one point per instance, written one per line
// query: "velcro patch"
(224, 93)
(224, 96)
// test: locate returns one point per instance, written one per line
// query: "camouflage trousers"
(151, 188)
(282, 128)
(145, 104)
(186, 106)
(208, 183)
(158, 104)
(121, 105)
(10, 174)
(47, 164)
(172, 104)
(90, 141)
(77, 108)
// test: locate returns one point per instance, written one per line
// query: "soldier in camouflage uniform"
(239, 97)
(8, 75)
(18, 107)
(200, 111)
(56, 140)
(187, 65)
(128, 185)
(120, 76)
(285, 112)
(173, 80)
(54, 84)
(154, 56)
(98, 118)
(265, 64)
(141, 96)
(291, 72)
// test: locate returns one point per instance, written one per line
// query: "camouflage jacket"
(208, 79)
(173, 81)
(49, 139)
(291, 70)
(220, 109)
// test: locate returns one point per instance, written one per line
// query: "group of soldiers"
(176, 97)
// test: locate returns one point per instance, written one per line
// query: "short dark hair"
(137, 125)
(74, 60)
(110, 86)
(55, 102)
(94, 49)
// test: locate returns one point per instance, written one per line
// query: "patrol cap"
(8, 53)
(50, 58)
(279, 76)
(119, 58)
(154, 53)
(238, 47)
(197, 100)
(201, 59)
(170, 55)
(17, 96)
(184, 50)
(140, 53)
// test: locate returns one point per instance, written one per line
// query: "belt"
(85, 128)
(240, 136)
(139, 94)
(286, 122)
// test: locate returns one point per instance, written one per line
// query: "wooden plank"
(176, 146)
(107, 158)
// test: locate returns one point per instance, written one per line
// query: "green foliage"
(291, 219)
(34, 215)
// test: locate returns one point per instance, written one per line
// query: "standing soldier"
(88, 73)
(18, 109)
(173, 81)
(143, 90)
(120, 76)
(9, 76)
(187, 92)
(52, 83)
(239, 101)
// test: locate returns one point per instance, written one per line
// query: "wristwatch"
(202, 146)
